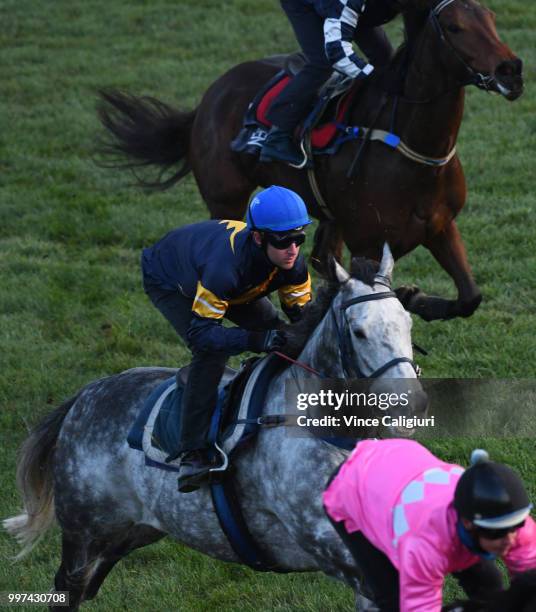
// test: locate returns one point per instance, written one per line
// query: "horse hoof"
(407, 295)
(468, 308)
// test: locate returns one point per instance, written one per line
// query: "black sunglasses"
(497, 534)
(283, 241)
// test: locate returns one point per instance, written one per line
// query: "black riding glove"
(265, 342)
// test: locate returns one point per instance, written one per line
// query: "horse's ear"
(335, 271)
(384, 275)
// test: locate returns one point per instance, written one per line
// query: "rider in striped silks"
(325, 30)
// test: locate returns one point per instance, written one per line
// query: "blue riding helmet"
(277, 209)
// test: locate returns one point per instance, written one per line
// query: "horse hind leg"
(113, 551)
(72, 575)
(86, 562)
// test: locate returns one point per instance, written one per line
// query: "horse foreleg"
(448, 249)
(327, 241)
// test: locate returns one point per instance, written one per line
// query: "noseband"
(475, 78)
(349, 370)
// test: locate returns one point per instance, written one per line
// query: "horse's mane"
(391, 78)
(297, 334)
(364, 270)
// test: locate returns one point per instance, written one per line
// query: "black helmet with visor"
(491, 495)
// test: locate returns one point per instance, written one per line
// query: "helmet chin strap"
(264, 243)
(469, 542)
(263, 247)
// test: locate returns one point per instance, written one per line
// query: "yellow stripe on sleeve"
(208, 305)
(292, 295)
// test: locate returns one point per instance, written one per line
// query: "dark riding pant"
(206, 368)
(378, 576)
(297, 99)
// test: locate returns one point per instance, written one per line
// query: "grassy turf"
(71, 305)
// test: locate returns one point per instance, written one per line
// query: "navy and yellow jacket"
(217, 265)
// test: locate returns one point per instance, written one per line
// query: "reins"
(300, 364)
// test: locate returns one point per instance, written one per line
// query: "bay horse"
(449, 44)
(77, 466)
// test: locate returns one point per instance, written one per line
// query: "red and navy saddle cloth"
(327, 122)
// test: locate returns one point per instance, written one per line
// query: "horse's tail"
(145, 132)
(35, 481)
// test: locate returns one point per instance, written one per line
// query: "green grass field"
(71, 304)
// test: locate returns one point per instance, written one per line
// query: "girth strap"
(224, 495)
(313, 183)
(233, 524)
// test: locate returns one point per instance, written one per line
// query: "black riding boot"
(280, 146)
(198, 403)
(194, 470)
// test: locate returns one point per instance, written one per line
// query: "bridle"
(475, 78)
(345, 346)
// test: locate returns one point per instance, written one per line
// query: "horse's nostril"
(505, 70)
(509, 68)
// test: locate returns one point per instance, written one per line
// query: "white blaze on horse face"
(380, 330)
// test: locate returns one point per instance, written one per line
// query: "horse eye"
(455, 29)
(359, 334)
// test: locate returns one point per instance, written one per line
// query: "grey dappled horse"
(77, 465)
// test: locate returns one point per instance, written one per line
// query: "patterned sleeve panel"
(341, 19)
(296, 290)
(296, 295)
(206, 332)
(208, 305)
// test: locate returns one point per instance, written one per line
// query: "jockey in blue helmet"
(325, 30)
(199, 274)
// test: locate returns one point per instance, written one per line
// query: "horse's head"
(374, 334)
(470, 46)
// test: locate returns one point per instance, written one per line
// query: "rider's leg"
(380, 577)
(375, 45)
(201, 390)
(200, 394)
(481, 581)
(199, 399)
(298, 97)
(174, 306)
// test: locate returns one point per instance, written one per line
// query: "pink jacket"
(400, 497)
